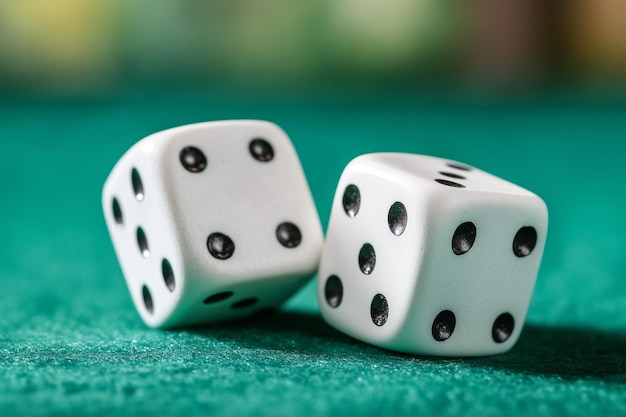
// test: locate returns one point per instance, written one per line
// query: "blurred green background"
(99, 45)
(532, 91)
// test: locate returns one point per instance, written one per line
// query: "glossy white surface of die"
(404, 302)
(160, 215)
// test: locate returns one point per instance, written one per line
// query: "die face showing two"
(212, 221)
(453, 254)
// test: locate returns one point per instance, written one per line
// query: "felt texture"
(72, 344)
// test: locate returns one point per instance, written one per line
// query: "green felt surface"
(72, 344)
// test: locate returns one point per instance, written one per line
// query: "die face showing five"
(457, 252)
(369, 262)
(212, 221)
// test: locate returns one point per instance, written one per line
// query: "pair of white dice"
(215, 221)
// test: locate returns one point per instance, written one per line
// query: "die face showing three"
(451, 255)
(212, 221)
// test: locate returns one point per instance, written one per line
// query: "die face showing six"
(457, 254)
(228, 206)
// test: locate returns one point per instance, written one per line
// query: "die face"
(249, 212)
(371, 255)
(457, 276)
(144, 235)
(231, 201)
(409, 167)
(475, 286)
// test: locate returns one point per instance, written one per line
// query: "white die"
(428, 256)
(212, 221)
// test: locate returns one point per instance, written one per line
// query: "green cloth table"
(71, 342)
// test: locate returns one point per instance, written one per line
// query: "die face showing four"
(476, 283)
(227, 205)
(248, 205)
(457, 254)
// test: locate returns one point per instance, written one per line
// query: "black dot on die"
(333, 291)
(452, 175)
(397, 218)
(503, 327)
(193, 159)
(351, 200)
(463, 238)
(137, 184)
(443, 325)
(524, 241)
(449, 183)
(142, 243)
(117, 212)
(220, 246)
(367, 259)
(261, 150)
(168, 274)
(288, 234)
(459, 166)
(147, 299)
(379, 310)
(245, 303)
(216, 298)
